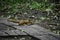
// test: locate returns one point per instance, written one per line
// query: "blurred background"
(45, 13)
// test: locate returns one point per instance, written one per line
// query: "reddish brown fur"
(21, 22)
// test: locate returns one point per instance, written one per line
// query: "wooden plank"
(46, 37)
(37, 32)
(43, 30)
(40, 29)
(33, 30)
(5, 27)
(2, 26)
(10, 23)
(2, 20)
(10, 32)
(14, 32)
(5, 21)
(20, 32)
(3, 34)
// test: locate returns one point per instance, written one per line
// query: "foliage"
(13, 6)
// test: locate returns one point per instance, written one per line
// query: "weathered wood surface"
(12, 32)
(5, 21)
(10, 28)
(5, 27)
(7, 30)
(38, 32)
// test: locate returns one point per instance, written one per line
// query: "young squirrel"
(22, 22)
